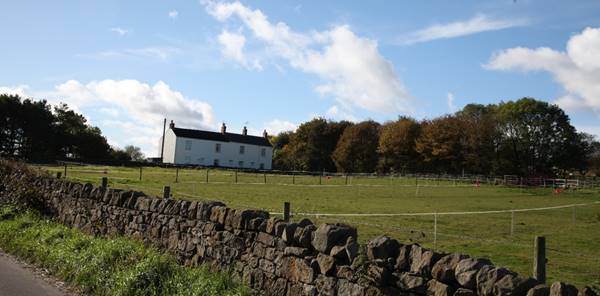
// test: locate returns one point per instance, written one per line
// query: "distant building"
(199, 147)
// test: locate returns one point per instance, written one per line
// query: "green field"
(572, 233)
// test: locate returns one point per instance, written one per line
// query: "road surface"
(20, 279)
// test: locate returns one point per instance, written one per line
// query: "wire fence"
(329, 179)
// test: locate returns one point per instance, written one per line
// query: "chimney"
(172, 125)
(245, 131)
(265, 134)
(223, 128)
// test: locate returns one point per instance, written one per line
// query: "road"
(20, 279)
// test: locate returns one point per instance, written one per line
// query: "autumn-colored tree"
(396, 146)
(441, 144)
(356, 149)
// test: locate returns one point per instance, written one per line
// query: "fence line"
(507, 180)
(442, 213)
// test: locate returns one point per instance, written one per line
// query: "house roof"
(227, 137)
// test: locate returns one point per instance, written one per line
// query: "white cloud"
(577, 69)
(162, 53)
(173, 14)
(477, 24)
(148, 104)
(450, 101)
(19, 90)
(119, 30)
(337, 113)
(592, 130)
(233, 48)
(277, 126)
(142, 105)
(114, 112)
(353, 70)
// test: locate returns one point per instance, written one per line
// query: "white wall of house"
(179, 150)
(170, 146)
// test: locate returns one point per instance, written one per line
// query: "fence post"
(512, 222)
(166, 192)
(65, 170)
(434, 231)
(319, 179)
(207, 175)
(539, 259)
(140, 173)
(235, 176)
(104, 182)
(293, 178)
(286, 211)
(176, 175)
(346, 178)
(265, 178)
(58, 175)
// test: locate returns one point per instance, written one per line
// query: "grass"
(99, 266)
(572, 234)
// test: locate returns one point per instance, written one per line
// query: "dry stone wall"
(269, 255)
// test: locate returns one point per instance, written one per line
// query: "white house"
(199, 147)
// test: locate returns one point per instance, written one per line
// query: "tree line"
(526, 137)
(35, 131)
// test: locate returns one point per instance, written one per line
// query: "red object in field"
(328, 177)
(477, 183)
(557, 190)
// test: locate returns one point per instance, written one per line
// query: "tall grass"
(99, 266)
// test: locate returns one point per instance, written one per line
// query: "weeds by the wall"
(100, 266)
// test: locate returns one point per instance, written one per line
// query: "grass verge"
(99, 266)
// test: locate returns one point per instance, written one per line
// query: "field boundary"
(443, 213)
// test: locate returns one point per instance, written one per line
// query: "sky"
(272, 65)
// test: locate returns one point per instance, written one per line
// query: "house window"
(263, 152)
(216, 162)
(262, 166)
(242, 149)
(188, 144)
(241, 164)
(217, 147)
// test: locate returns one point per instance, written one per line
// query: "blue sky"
(272, 65)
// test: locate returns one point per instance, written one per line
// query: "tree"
(592, 155)
(441, 144)
(135, 153)
(312, 144)
(119, 155)
(538, 138)
(77, 138)
(11, 130)
(281, 153)
(26, 128)
(356, 150)
(481, 138)
(396, 145)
